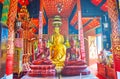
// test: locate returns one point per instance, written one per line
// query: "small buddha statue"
(57, 49)
(73, 64)
(43, 51)
(73, 51)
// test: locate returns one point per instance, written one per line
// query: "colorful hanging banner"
(5, 11)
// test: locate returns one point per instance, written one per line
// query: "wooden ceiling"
(95, 22)
(50, 7)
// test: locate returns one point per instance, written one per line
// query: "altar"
(58, 52)
(61, 57)
(43, 39)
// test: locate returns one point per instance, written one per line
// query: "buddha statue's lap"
(58, 53)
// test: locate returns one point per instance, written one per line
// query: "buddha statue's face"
(56, 30)
(44, 43)
(72, 43)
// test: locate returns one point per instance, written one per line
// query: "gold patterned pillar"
(10, 50)
(113, 14)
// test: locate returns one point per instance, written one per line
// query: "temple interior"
(59, 39)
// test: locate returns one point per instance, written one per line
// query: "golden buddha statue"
(57, 49)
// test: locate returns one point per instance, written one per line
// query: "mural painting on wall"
(92, 47)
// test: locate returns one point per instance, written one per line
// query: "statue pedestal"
(42, 68)
(73, 68)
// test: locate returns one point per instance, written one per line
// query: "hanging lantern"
(96, 2)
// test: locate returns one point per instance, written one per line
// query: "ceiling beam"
(73, 13)
(90, 10)
(103, 1)
(45, 15)
(88, 22)
(92, 14)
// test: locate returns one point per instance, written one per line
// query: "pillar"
(113, 14)
(40, 22)
(10, 50)
(80, 31)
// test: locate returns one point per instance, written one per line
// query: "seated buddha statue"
(43, 51)
(57, 49)
(73, 64)
(73, 51)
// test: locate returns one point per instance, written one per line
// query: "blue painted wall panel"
(98, 30)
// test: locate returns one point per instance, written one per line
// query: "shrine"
(59, 39)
